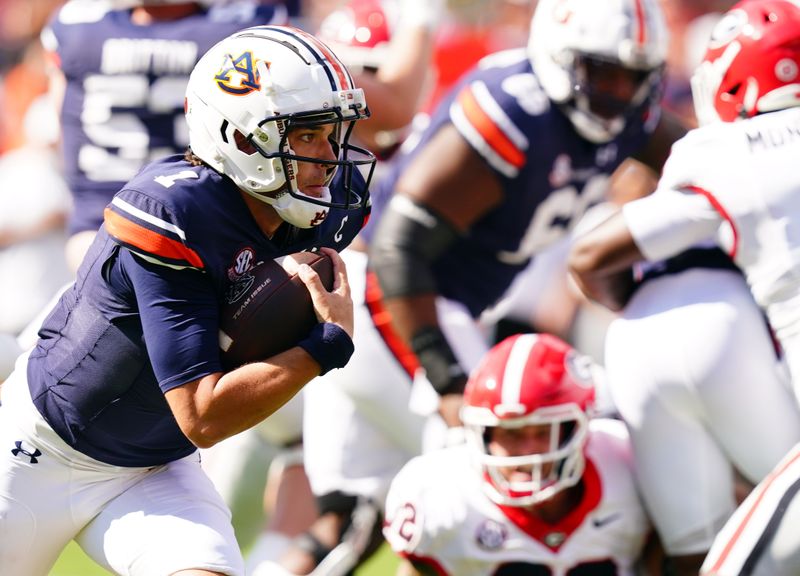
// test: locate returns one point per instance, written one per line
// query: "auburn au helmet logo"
(239, 75)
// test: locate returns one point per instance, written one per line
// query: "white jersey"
(438, 513)
(736, 183)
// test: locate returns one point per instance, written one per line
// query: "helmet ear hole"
(243, 144)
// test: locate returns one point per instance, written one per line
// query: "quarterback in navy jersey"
(102, 418)
(121, 73)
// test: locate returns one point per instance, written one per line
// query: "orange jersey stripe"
(148, 241)
(490, 132)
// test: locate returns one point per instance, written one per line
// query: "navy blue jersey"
(142, 317)
(549, 174)
(123, 104)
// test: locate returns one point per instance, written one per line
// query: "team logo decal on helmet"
(246, 79)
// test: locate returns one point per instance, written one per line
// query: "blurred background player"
(356, 451)
(540, 487)
(500, 197)
(681, 363)
(120, 72)
(730, 184)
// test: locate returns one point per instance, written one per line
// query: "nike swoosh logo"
(600, 522)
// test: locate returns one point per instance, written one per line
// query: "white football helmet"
(245, 95)
(530, 379)
(568, 36)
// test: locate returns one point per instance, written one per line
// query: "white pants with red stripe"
(762, 538)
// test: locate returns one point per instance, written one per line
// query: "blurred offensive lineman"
(101, 421)
(539, 488)
(731, 182)
(387, 47)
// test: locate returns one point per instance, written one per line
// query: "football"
(271, 310)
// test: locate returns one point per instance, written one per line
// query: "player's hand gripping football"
(335, 306)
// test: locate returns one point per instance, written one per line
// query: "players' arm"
(654, 153)
(601, 261)
(654, 228)
(598, 257)
(218, 405)
(443, 191)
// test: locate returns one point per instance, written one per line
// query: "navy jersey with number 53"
(125, 85)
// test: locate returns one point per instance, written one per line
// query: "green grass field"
(73, 562)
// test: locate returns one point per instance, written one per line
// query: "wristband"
(436, 357)
(329, 345)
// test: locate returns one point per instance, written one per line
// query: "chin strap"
(300, 213)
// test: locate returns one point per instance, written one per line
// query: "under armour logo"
(20, 450)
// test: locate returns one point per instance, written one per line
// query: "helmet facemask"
(544, 474)
(600, 111)
(291, 203)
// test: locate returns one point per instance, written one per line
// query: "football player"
(120, 72)
(728, 184)
(539, 488)
(103, 418)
